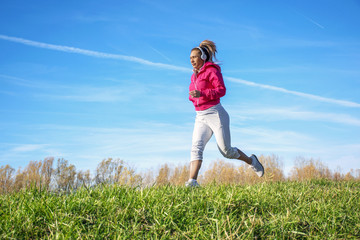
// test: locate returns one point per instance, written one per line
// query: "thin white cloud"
(300, 94)
(260, 136)
(172, 67)
(8, 93)
(318, 116)
(276, 114)
(78, 93)
(28, 147)
(89, 94)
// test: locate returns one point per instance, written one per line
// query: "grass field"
(319, 209)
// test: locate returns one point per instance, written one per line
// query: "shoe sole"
(260, 165)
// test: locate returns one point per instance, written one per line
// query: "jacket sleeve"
(218, 89)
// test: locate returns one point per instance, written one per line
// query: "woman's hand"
(195, 93)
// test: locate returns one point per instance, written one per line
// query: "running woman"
(206, 89)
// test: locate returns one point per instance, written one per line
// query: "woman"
(206, 89)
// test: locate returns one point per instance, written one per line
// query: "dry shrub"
(348, 177)
(168, 176)
(353, 175)
(273, 168)
(224, 172)
(163, 176)
(42, 175)
(180, 175)
(221, 172)
(307, 169)
(37, 174)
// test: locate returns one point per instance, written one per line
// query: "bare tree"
(83, 178)
(109, 171)
(6, 179)
(46, 172)
(65, 175)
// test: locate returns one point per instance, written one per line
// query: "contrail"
(301, 94)
(309, 19)
(317, 24)
(93, 53)
(171, 67)
(160, 53)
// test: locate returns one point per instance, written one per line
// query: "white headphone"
(203, 54)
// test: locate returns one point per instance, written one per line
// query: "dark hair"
(210, 49)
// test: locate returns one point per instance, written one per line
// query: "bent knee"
(231, 153)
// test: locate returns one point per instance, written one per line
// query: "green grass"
(318, 209)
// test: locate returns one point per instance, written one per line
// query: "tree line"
(61, 176)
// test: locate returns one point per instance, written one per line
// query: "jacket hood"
(209, 65)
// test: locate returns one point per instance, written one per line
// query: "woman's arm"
(217, 82)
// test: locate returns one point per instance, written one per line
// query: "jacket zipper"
(197, 100)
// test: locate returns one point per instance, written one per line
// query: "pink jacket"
(210, 83)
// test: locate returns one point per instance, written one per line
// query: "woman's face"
(195, 59)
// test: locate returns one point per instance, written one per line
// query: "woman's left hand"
(195, 93)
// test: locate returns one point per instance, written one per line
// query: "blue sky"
(88, 80)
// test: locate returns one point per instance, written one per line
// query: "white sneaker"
(257, 166)
(192, 183)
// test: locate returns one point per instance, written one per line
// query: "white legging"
(214, 120)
